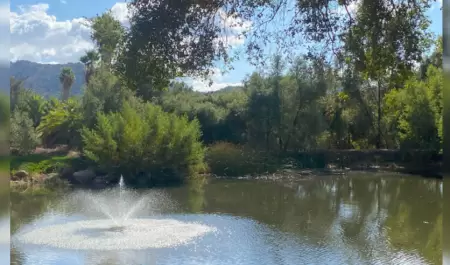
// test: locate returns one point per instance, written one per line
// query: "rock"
(67, 172)
(84, 176)
(20, 175)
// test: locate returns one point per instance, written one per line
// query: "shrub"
(145, 144)
(227, 159)
(62, 124)
(24, 138)
(103, 93)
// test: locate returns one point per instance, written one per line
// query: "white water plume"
(105, 235)
(116, 219)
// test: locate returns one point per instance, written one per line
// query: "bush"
(227, 159)
(103, 93)
(24, 138)
(62, 124)
(145, 144)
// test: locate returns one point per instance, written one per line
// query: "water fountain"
(116, 219)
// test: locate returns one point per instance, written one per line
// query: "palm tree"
(67, 78)
(89, 60)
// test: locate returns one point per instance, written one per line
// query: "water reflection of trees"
(367, 213)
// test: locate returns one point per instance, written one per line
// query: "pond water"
(356, 219)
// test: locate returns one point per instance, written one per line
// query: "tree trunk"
(65, 94)
(378, 143)
(294, 124)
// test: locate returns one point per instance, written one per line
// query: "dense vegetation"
(382, 89)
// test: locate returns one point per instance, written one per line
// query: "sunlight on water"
(121, 230)
(233, 222)
(105, 235)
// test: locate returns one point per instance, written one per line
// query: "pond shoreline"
(287, 174)
(60, 167)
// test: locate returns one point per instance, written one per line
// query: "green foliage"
(107, 33)
(414, 114)
(44, 163)
(221, 114)
(227, 159)
(186, 43)
(62, 124)
(4, 116)
(146, 146)
(23, 137)
(90, 60)
(67, 78)
(103, 94)
(31, 103)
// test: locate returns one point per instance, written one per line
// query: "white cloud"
(63, 1)
(232, 29)
(4, 31)
(120, 12)
(217, 79)
(40, 37)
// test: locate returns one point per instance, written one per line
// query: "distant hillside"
(230, 88)
(44, 78)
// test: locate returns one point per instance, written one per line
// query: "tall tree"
(384, 42)
(107, 33)
(89, 60)
(67, 78)
(168, 39)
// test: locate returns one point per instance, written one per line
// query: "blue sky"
(53, 32)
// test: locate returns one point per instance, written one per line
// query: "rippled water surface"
(360, 219)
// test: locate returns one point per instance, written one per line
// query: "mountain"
(230, 88)
(44, 78)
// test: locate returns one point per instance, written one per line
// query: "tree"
(107, 33)
(104, 93)
(62, 124)
(145, 144)
(168, 39)
(24, 138)
(67, 78)
(16, 86)
(89, 60)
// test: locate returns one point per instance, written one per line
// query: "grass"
(44, 163)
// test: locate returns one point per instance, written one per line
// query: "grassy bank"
(230, 160)
(43, 170)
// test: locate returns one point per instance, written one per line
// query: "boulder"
(20, 175)
(84, 176)
(67, 173)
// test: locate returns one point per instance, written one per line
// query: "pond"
(353, 219)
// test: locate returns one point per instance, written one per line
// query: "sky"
(54, 31)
